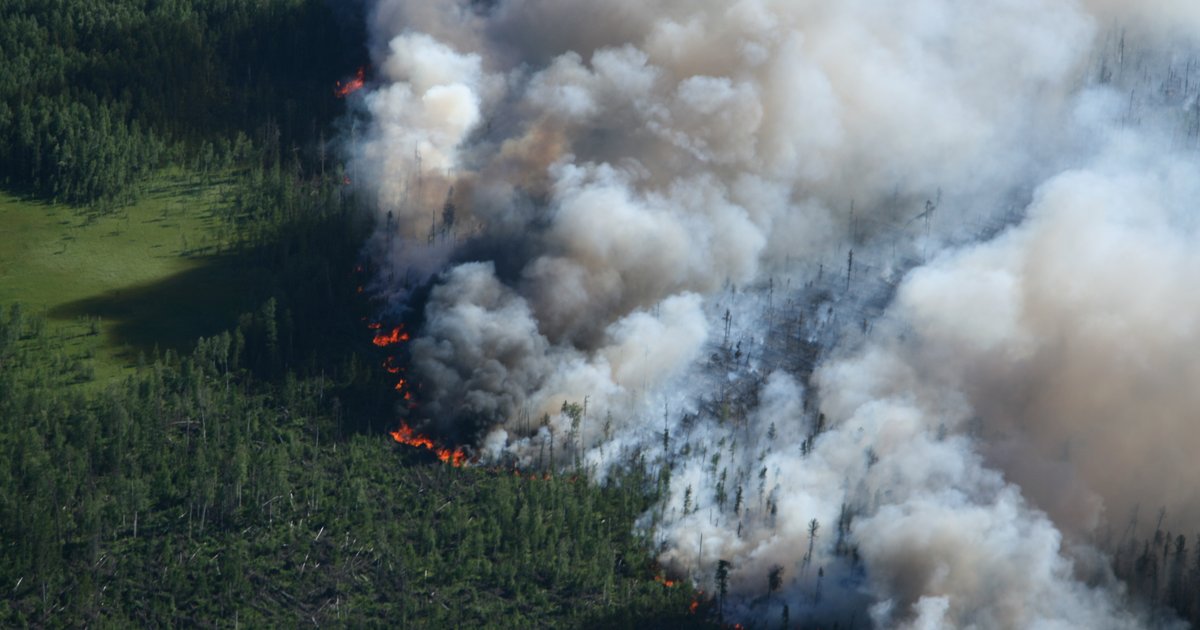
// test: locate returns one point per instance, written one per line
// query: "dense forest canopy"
(95, 96)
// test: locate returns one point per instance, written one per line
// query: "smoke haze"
(906, 286)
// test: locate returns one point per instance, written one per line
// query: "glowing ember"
(392, 369)
(351, 86)
(405, 435)
(664, 581)
(384, 340)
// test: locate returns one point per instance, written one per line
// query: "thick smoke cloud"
(905, 285)
(1071, 337)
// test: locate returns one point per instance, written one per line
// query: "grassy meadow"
(116, 284)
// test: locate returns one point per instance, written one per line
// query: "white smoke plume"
(898, 292)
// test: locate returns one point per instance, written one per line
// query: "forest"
(246, 477)
(95, 97)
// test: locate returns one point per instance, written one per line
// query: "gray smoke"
(906, 285)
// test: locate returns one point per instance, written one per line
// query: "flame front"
(383, 340)
(405, 435)
(351, 86)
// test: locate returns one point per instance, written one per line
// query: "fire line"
(405, 435)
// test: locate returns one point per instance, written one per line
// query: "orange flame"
(351, 86)
(664, 581)
(384, 340)
(405, 435)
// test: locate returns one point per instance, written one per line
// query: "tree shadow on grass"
(171, 312)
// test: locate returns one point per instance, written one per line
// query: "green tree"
(722, 587)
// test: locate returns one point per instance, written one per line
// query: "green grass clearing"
(146, 270)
